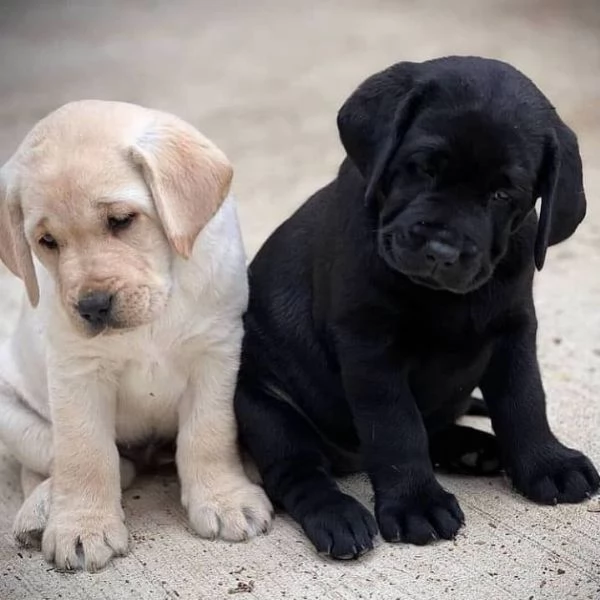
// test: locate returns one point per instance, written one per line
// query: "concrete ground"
(264, 79)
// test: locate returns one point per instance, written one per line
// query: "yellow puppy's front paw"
(234, 512)
(84, 539)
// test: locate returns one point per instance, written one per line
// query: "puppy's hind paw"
(466, 451)
(233, 513)
(31, 520)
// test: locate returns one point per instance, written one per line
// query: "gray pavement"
(264, 79)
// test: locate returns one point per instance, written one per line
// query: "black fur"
(397, 289)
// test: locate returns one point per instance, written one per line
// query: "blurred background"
(264, 80)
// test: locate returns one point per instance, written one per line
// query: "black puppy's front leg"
(540, 467)
(410, 505)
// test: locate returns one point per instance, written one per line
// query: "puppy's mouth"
(113, 314)
(410, 263)
(117, 328)
(111, 326)
(429, 282)
(108, 329)
(434, 284)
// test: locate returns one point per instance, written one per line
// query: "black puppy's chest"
(443, 379)
(447, 347)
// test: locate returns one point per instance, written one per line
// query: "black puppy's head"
(455, 153)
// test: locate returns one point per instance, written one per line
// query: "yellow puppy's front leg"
(219, 498)
(85, 527)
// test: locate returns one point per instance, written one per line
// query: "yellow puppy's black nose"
(95, 308)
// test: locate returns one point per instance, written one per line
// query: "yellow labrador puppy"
(118, 220)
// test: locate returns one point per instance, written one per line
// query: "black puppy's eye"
(421, 169)
(116, 224)
(48, 242)
(427, 170)
(501, 196)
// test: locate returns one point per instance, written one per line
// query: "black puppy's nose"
(95, 308)
(440, 253)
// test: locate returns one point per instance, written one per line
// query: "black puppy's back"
(286, 345)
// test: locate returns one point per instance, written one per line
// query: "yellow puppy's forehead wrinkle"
(97, 127)
(87, 179)
(83, 150)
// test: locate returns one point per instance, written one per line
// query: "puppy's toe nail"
(30, 538)
(470, 459)
(347, 556)
(250, 516)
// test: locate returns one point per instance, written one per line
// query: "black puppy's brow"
(515, 178)
(425, 144)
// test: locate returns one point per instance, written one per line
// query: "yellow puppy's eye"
(120, 223)
(48, 242)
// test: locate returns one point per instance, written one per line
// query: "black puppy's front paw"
(419, 518)
(340, 526)
(553, 473)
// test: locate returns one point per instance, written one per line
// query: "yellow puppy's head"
(106, 194)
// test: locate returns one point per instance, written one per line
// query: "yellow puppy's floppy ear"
(189, 178)
(15, 252)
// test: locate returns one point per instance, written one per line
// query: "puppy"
(398, 289)
(118, 220)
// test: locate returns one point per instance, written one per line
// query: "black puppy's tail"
(478, 408)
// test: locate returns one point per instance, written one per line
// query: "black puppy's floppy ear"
(375, 118)
(561, 188)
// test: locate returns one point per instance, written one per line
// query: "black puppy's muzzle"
(432, 255)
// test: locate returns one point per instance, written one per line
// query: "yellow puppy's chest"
(148, 399)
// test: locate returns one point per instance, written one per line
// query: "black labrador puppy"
(399, 288)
